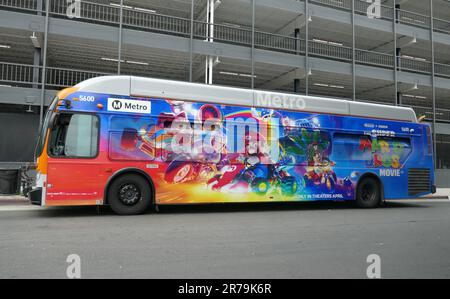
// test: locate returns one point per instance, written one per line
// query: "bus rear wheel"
(368, 193)
(129, 194)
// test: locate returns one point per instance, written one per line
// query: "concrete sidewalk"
(441, 193)
(13, 200)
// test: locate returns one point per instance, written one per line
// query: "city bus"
(133, 143)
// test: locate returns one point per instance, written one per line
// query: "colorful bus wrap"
(132, 151)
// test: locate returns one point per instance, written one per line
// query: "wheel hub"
(129, 194)
(368, 193)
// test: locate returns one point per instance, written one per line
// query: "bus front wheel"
(129, 194)
(368, 193)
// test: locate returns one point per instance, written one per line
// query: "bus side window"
(75, 136)
(392, 151)
(356, 148)
(132, 139)
(305, 146)
(177, 136)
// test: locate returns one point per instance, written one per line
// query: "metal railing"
(63, 77)
(20, 4)
(223, 33)
(442, 69)
(271, 41)
(361, 7)
(387, 13)
(22, 74)
(415, 65)
(374, 58)
(243, 36)
(148, 20)
(412, 18)
(19, 73)
(29, 75)
(107, 14)
(326, 50)
(342, 4)
(89, 11)
(441, 25)
(442, 115)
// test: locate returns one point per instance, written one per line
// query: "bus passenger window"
(74, 136)
(352, 147)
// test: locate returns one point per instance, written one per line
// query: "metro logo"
(117, 105)
(129, 106)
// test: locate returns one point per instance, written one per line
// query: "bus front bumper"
(35, 196)
(433, 189)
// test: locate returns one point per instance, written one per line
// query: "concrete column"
(397, 13)
(399, 99)
(37, 61)
(297, 40)
(296, 85)
(398, 54)
(298, 50)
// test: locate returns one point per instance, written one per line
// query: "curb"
(438, 197)
(13, 200)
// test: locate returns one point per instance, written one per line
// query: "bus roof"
(131, 86)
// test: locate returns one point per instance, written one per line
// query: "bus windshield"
(44, 129)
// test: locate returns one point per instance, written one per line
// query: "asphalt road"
(255, 242)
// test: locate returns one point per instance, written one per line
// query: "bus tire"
(129, 194)
(368, 193)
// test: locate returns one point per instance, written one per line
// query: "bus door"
(73, 171)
